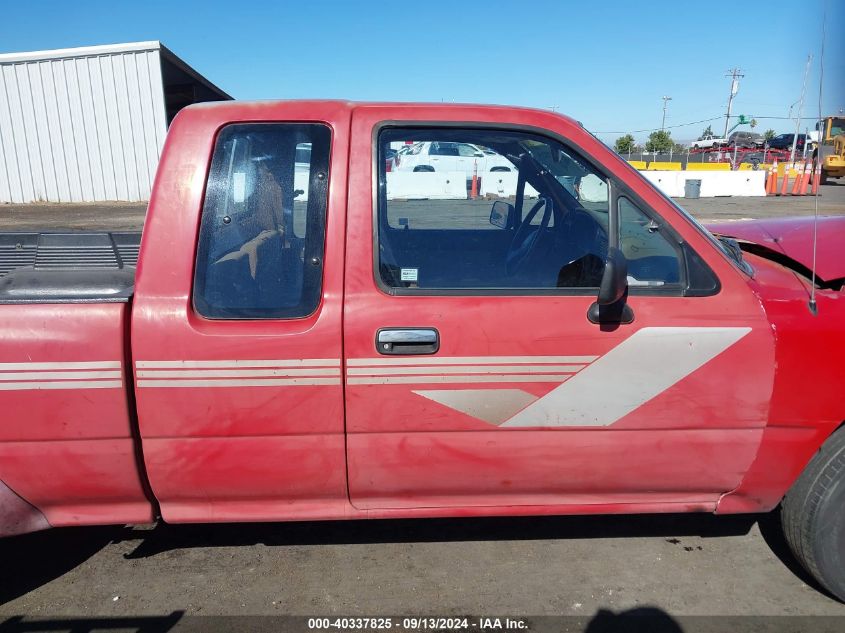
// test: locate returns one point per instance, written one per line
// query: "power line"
(716, 118)
(668, 127)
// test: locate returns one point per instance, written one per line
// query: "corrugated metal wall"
(81, 129)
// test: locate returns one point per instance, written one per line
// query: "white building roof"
(111, 49)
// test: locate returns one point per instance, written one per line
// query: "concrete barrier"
(708, 166)
(503, 184)
(732, 183)
(669, 182)
(657, 165)
(426, 185)
(638, 164)
(713, 183)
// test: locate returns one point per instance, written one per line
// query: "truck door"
(237, 342)
(479, 372)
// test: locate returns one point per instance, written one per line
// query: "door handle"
(407, 340)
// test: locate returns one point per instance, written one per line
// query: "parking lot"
(130, 216)
(594, 569)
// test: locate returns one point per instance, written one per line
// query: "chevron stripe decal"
(637, 370)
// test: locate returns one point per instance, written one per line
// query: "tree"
(624, 144)
(708, 131)
(677, 148)
(659, 141)
(769, 134)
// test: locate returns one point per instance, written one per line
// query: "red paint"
(730, 437)
(793, 237)
(69, 452)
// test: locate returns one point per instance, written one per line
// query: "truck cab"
(306, 341)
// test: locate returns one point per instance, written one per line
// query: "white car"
(711, 140)
(449, 156)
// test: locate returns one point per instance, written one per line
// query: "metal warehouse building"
(88, 124)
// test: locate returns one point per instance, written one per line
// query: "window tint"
(653, 258)
(260, 248)
(432, 234)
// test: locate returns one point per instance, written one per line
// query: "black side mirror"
(614, 281)
(502, 214)
(610, 306)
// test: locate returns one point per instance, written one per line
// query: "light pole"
(666, 101)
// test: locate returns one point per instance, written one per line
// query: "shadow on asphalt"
(166, 537)
(32, 560)
(41, 557)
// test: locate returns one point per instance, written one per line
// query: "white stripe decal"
(467, 369)
(234, 364)
(107, 364)
(395, 380)
(491, 405)
(468, 360)
(66, 384)
(235, 373)
(256, 382)
(632, 373)
(58, 375)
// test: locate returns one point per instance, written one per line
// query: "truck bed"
(67, 267)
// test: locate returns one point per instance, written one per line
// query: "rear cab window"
(262, 230)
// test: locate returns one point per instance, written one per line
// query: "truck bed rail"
(51, 251)
(67, 267)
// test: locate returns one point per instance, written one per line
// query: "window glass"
(537, 220)
(260, 248)
(653, 258)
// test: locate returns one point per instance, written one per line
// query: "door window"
(548, 229)
(260, 248)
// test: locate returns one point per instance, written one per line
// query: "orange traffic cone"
(772, 184)
(805, 181)
(799, 176)
(784, 186)
(473, 193)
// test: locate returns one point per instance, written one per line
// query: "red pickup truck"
(308, 338)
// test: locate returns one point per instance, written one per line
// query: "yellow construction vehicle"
(831, 147)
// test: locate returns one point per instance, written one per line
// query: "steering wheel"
(527, 237)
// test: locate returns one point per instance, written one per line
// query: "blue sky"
(605, 62)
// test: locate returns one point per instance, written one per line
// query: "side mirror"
(479, 154)
(502, 214)
(614, 281)
(610, 307)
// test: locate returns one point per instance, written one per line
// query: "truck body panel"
(419, 444)
(120, 408)
(265, 439)
(67, 445)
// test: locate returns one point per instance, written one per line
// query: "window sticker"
(408, 274)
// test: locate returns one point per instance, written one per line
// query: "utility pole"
(666, 100)
(735, 74)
